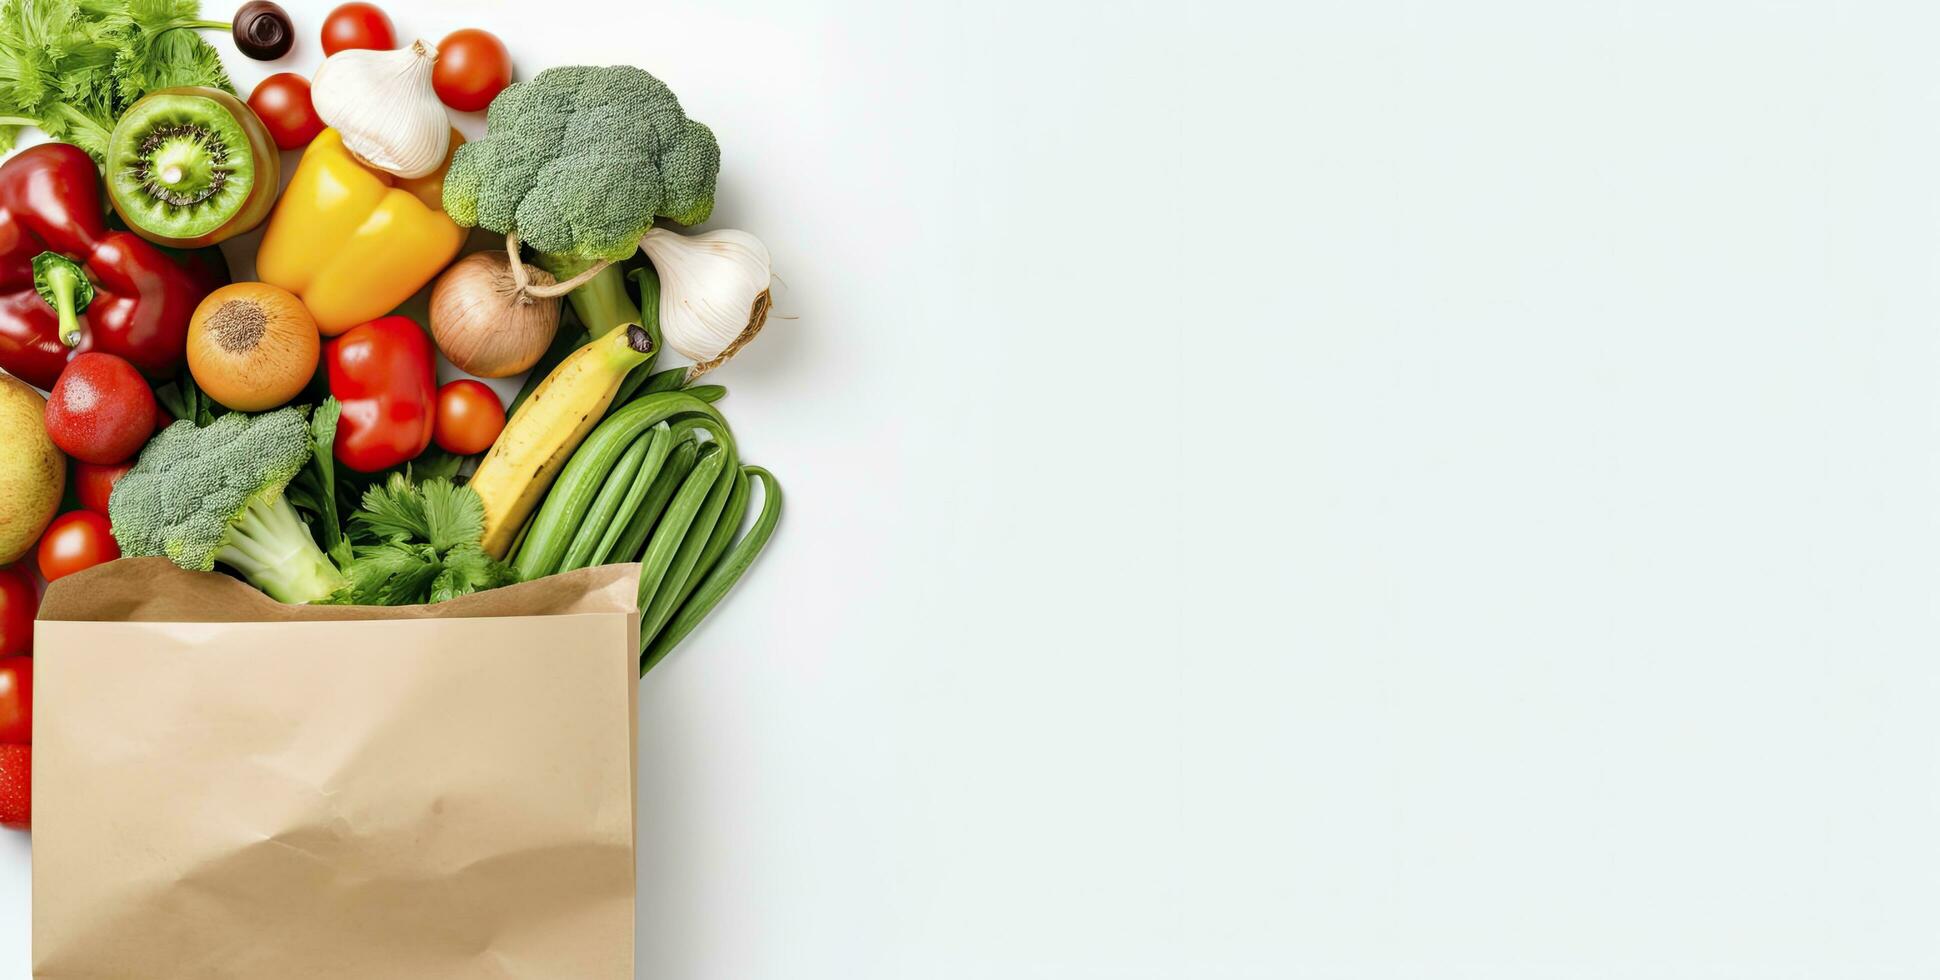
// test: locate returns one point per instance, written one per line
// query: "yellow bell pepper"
(354, 241)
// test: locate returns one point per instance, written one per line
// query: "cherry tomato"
(473, 66)
(93, 482)
(283, 101)
(357, 25)
(16, 700)
(76, 540)
(19, 601)
(469, 418)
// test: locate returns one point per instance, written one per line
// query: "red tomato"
(283, 102)
(101, 409)
(76, 540)
(93, 483)
(19, 601)
(357, 25)
(16, 700)
(469, 418)
(16, 785)
(473, 66)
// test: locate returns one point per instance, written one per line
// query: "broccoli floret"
(215, 494)
(579, 161)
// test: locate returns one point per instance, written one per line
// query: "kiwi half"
(190, 167)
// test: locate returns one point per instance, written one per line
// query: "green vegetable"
(693, 540)
(616, 496)
(314, 490)
(659, 450)
(566, 502)
(633, 538)
(725, 529)
(629, 475)
(602, 302)
(157, 47)
(722, 576)
(425, 545)
(580, 161)
(216, 494)
(71, 67)
(670, 536)
(185, 399)
(668, 380)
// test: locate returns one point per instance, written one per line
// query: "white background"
(1324, 490)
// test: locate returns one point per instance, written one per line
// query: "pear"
(32, 471)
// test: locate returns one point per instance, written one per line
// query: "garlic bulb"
(383, 105)
(713, 292)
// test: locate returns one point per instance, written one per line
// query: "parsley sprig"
(418, 542)
(71, 67)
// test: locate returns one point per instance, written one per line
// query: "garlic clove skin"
(713, 291)
(383, 104)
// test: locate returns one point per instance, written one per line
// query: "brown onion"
(252, 346)
(485, 322)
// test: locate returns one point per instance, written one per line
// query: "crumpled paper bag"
(229, 787)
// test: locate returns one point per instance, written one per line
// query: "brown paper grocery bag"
(229, 787)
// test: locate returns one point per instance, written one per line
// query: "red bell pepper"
(384, 375)
(69, 284)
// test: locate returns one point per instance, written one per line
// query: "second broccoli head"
(215, 494)
(580, 161)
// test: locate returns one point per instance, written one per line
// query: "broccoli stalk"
(602, 302)
(216, 494)
(272, 548)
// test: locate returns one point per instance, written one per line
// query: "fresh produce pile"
(290, 430)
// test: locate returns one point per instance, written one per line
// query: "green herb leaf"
(453, 515)
(319, 482)
(392, 511)
(71, 67)
(426, 544)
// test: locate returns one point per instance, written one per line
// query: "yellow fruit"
(32, 471)
(552, 422)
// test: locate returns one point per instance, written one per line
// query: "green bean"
(668, 380)
(723, 576)
(694, 540)
(618, 482)
(633, 540)
(724, 531)
(636, 493)
(673, 527)
(572, 493)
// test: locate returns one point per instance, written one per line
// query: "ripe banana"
(543, 433)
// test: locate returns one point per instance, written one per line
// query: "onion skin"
(481, 321)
